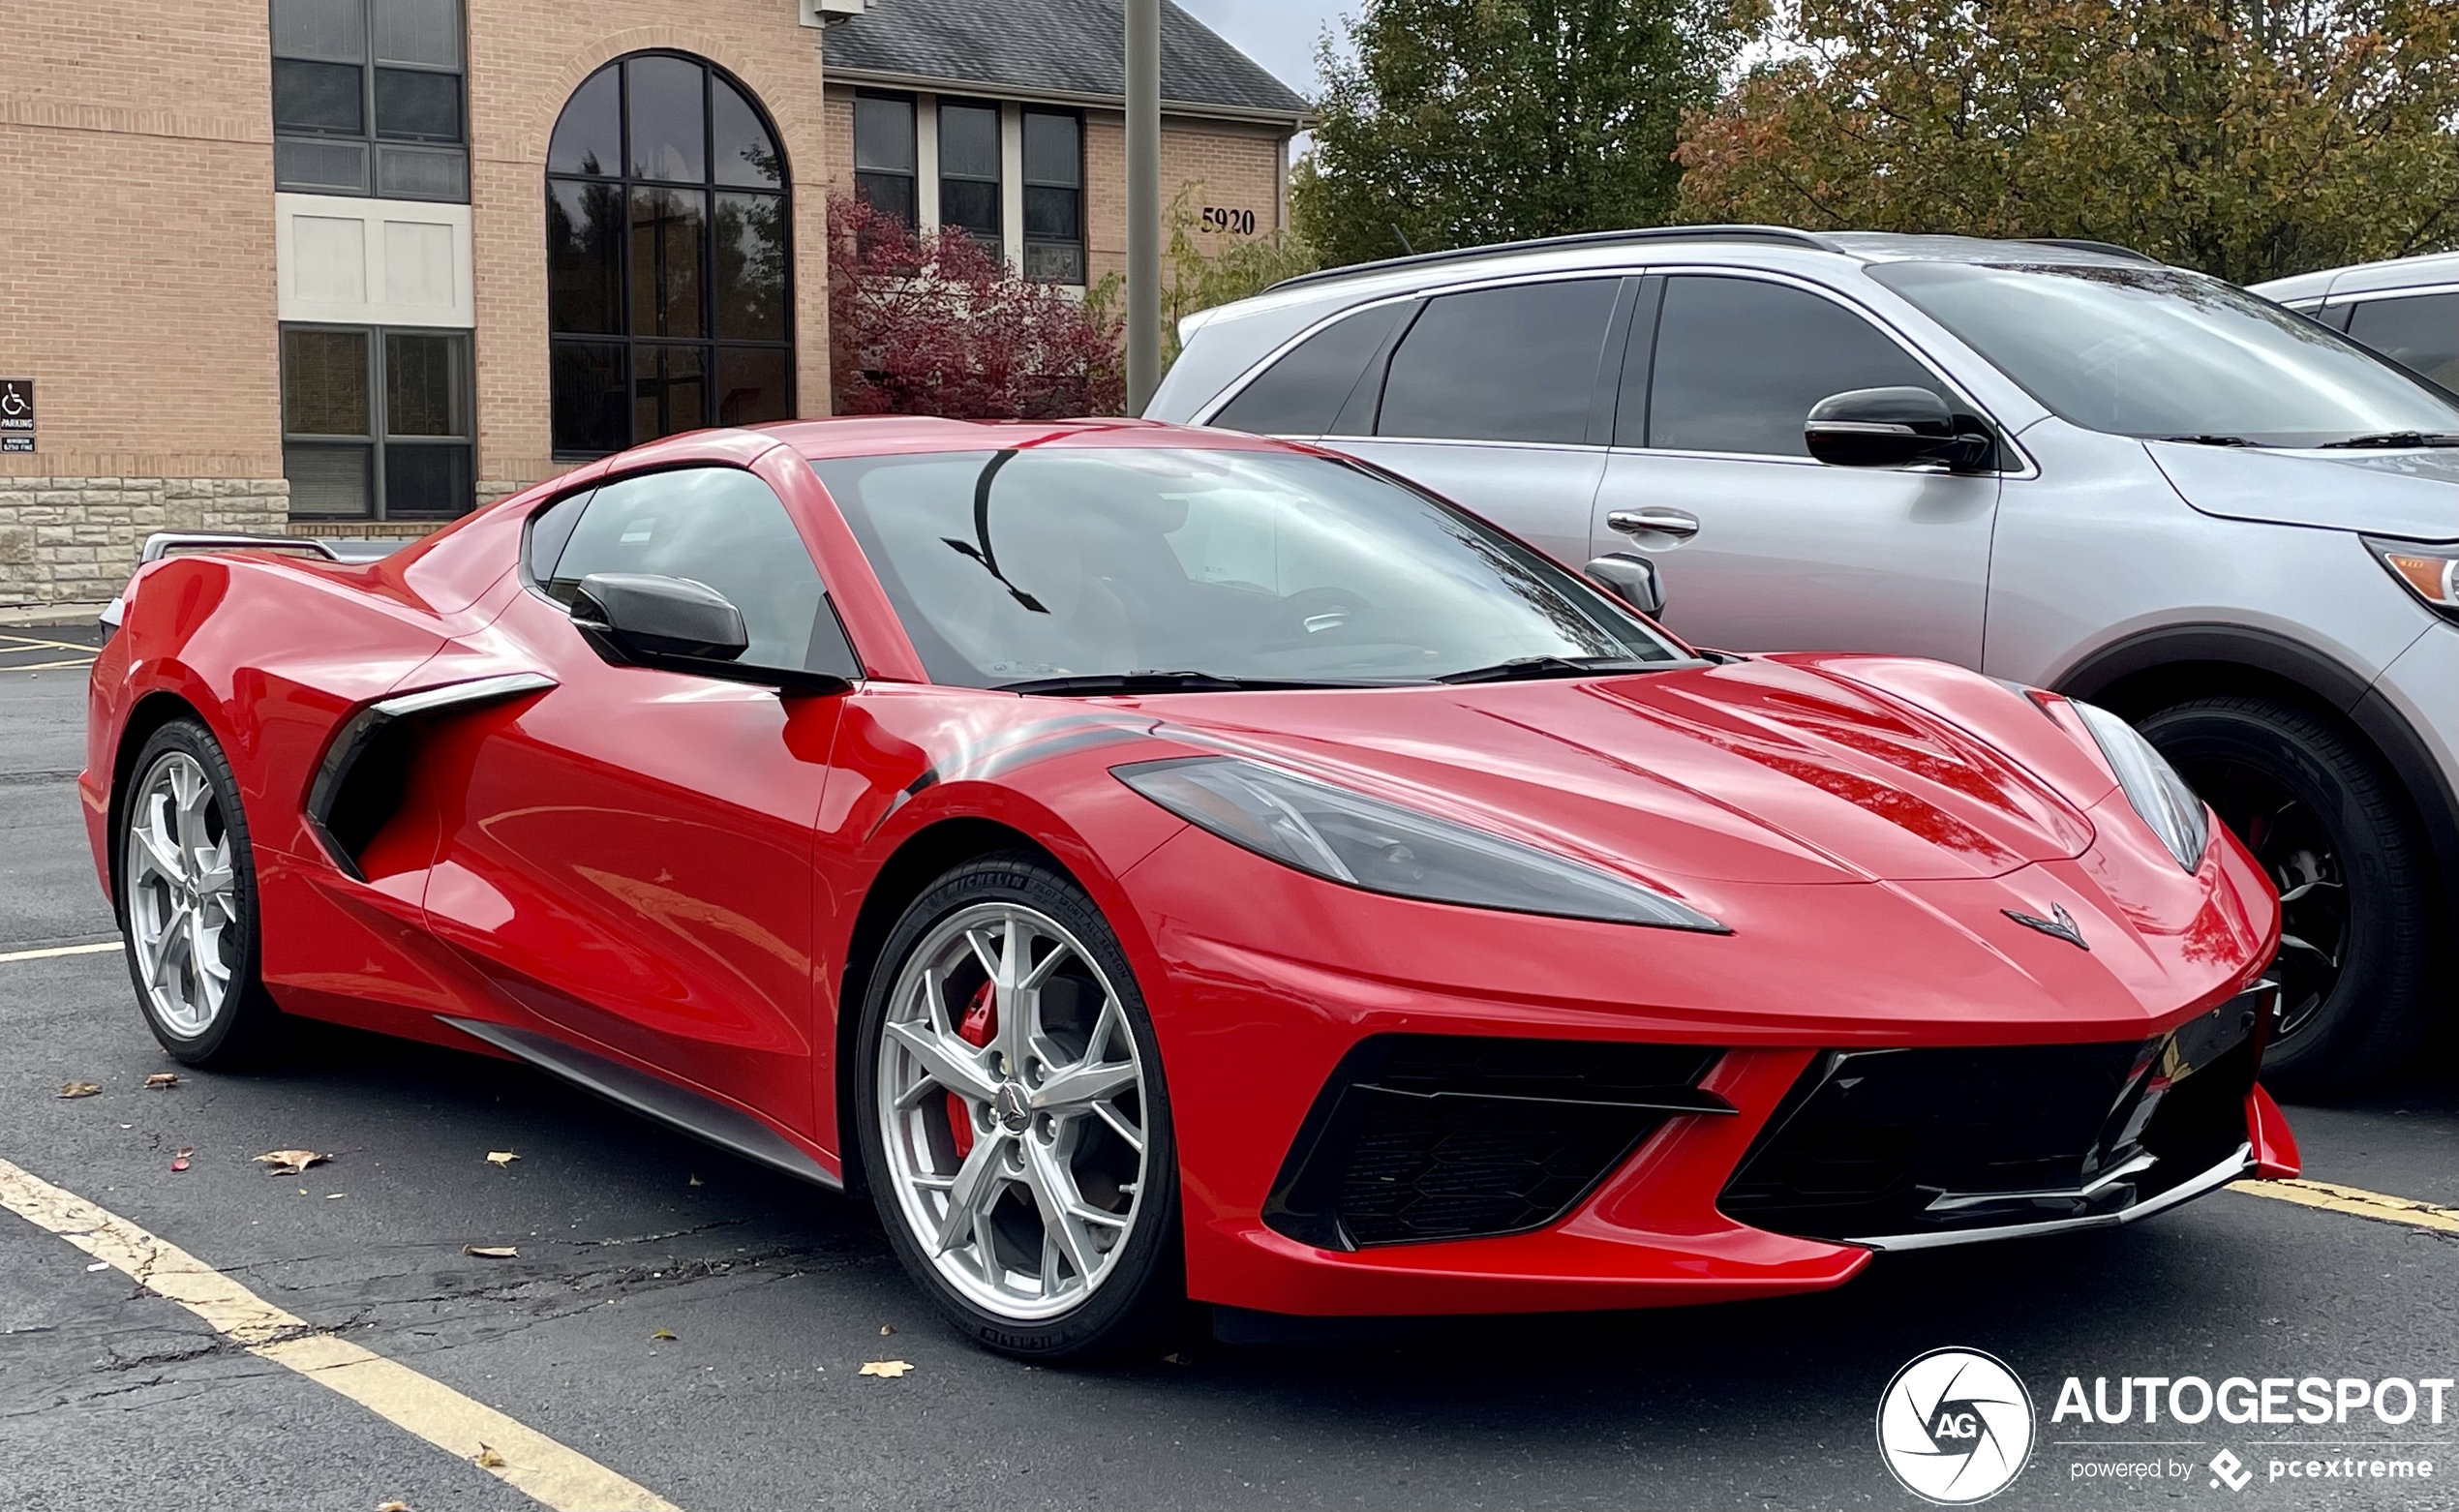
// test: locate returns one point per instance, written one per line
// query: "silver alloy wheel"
(1018, 1161)
(183, 905)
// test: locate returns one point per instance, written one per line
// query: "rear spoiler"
(162, 543)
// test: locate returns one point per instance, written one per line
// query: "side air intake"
(365, 773)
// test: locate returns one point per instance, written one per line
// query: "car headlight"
(2430, 572)
(1364, 843)
(2171, 809)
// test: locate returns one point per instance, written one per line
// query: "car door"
(630, 858)
(1761, 548)
(1491, 398)
(2417, 330)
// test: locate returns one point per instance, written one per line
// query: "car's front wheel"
(1014, 1126)
(188, 901)
(2325, 820)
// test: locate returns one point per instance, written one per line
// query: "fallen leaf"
(392, 1506)
(179, 1162)
(885, 1330)
(1173, 1359)
(303, 1192)
(492, 1251)
(162, 1078)
(666, 1334)
(501, 1157)
(886, 1370)
(78, 1089)
(488, 1458)
(695, 1182)
(289, 1163)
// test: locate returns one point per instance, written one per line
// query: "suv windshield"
(2158, 353)
(1025, 566)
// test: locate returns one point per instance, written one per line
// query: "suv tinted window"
(2420, 333)
(717, 525)
(1302, 393)
(1516, 363)
(1740, 363)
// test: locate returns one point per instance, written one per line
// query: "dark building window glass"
(367, 99)
(884, 154)
(1053, 196)
(669, 258)
(377, 423)
(969, 173)
(1511, 364)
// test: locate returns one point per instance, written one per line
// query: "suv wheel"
(2326, 822)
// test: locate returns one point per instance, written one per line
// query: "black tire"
(1140, 1305)
(247, 1026)
(2331, 826)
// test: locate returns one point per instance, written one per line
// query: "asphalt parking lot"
(698, 1327)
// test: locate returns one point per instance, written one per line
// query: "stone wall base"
(72, 542)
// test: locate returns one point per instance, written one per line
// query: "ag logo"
(1955, 1427)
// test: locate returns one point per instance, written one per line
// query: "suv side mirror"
(1893, 427)
(645, 619)
(1633, 580)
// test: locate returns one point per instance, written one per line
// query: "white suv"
(2063, 463)
(2407, 308)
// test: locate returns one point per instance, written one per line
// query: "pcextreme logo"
(1955, 1427)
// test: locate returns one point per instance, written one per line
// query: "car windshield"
(2158, 353)
(1020, 566)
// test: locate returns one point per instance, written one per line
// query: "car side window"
(2420, 333)
(1510, 364)
(1739, 362)
(721, 526)
(1302, 394)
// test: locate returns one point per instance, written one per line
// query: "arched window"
(669, 258)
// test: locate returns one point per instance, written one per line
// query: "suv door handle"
(1661, 522)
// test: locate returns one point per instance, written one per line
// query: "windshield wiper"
(1523, 669)
(2210, 440)
(2394, 440)
(1095, 685)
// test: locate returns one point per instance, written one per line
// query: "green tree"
(2249, 138)
(1468, 121)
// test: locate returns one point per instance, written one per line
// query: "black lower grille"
(1419, 1137)
(1880, 1143)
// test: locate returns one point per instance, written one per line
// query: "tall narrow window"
(376, 423)
(969, 173)
(1053, 196)
(884, 154)
(669, 249)
(368, 99)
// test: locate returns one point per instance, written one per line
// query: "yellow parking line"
(547, 1472)
(59, 949)
(2333, 1197)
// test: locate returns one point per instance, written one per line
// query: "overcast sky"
(1279, 34)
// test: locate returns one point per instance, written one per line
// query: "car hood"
(1763, 771)
(2412, 493)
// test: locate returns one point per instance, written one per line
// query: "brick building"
(354, 266)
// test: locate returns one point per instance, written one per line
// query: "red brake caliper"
(980, 1022)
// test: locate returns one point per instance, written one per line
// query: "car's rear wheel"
(188, 901)
(1016, 1129)
(2326, 821)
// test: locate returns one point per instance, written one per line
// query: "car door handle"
(1661, 522)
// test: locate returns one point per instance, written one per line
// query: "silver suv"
(2407, 308)
(2063, 463)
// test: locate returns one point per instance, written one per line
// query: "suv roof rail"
(1641, 234)
(2106, 248)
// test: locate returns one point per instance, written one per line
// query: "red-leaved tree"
(937, 324)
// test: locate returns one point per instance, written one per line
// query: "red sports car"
(1158, 863)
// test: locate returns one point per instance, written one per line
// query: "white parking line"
(48, 951)
(529, 1461)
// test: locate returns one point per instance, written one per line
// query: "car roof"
(2423, 271)
(880, 435)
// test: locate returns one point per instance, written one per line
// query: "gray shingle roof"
(1064, 46)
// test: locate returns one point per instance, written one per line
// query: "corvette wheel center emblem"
(2060, 924)
(1011, 1108)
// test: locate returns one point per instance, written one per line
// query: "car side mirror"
(1893, 428)
(1634, 579)
(645, 619)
